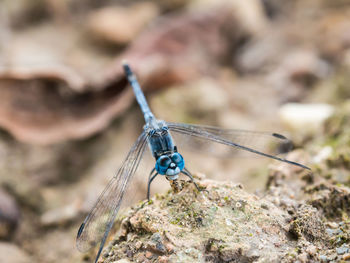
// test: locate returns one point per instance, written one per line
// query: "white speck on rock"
(228, 222)
(323, 154)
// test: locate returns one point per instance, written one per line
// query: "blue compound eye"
(164, 161)
(176, 157)
(164, 130)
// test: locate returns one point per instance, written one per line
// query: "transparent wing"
(270, 143)
(99, 222)
(260, 143)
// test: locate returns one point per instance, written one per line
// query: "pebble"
(250, 14)
(121, 25)
(346, 256)
(149, 254)
(311, 250)
(323, 258)
(303, 258)
(265, 206)
(298, 70)
(342, 250)
(129, 253)
(332, 256)
(332, 232)
(140, 258)
(307, 117)
(169, 247)
(13, 254)
(138, 245)
(9, 215)
(156, 237)
(156, 243)
(163, 259)
(59, 216)
(122, 261)
(322, 155)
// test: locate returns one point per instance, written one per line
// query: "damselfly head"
(170, 165)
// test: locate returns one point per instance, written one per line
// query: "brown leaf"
(42, 108)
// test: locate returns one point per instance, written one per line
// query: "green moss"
(175, 221)
(340, 239)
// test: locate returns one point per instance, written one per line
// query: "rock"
(163, 259)
(12, 254)
(332, 200)
(342, 250)
(258, 54)
(249, 13)
(307, 118)
(332, 232)
(59, 216)
(300, 67)
(174, 219)
(275, 8)
(302, 258)
(323, 258)
(323, 154)
(120, 25)
(20, 13)
(149, 254)
(333, 225)
(123, 261)
(9, 215)
(156, 244)
(308, 224)
(333, 34)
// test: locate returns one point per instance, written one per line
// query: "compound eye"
(164, 161)
(176, 157)
(164, 130)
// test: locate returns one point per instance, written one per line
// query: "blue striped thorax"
(168, 161)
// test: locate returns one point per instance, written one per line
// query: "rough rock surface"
(225, 224)
(13, 254)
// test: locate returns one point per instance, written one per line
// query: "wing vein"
(198, 131)
(99, 222)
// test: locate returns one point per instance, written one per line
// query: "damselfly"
(168, 162)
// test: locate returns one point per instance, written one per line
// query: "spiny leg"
(150, 179)
(188, 174)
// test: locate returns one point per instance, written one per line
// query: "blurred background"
(68, 117)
